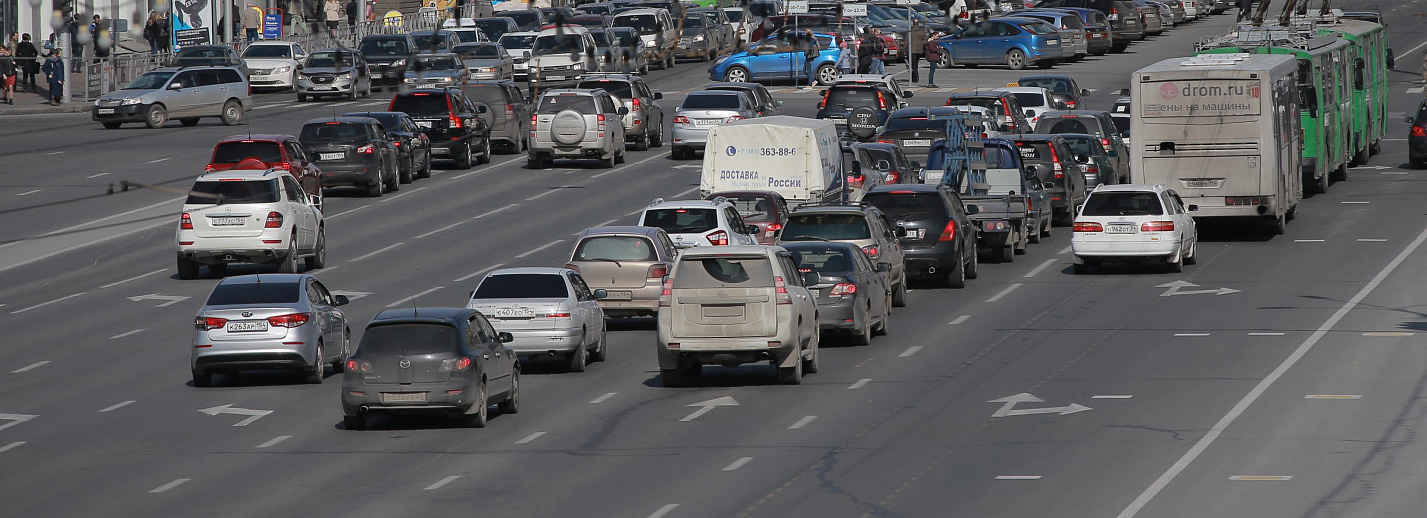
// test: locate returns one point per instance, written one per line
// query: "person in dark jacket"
(29, 64)
(54, 73)
(810, 56)
(916, 41)
(7, 76)
(864, 52)
(1246, 8)
(933, 55)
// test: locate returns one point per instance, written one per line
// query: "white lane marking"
(14, 419)
(442, 482)
(29, 367)
(388, 247)
(378, 103)
(1113, 396)
(738, 463)
(1041, 268)
(325, 269)
(1333, 396)
(1018, 477)
(447, 227)
(1387, 333)
(1266, 334)
(541, 247)
(112, 216)
(96, 175)
(409, 299)
(345, 212)
(1419, 45)
(626, 166)
(1004, 292)
(859, 384)
(530, 437)
(274, 441)
(1208, 439)
(43, 304)
(571, 171)
(117, 406)
(134, 278)
(959, 320)
(636, 211)
(493, 211)
(463, 175)
(1270, 478)
(547, 192)
(663, 510)
(27, 193)
(1372, 240)
(389, 198)
(169, 485)
(910, 351)
(264, 107)
(54, 153)
(11, 446)
(802, 422)
(1308, 241)
(1063, 251)
(126, 333)
(348, 103)
(159, 160)
(481, 271)
(603, 398)
(1355, 202)
(1415, 90)
(1191, 334)
(686, 191)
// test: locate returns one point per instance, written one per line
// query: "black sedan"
(413, 148)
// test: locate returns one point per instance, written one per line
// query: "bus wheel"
(1339, 174)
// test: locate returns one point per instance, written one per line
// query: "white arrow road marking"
(169, 485)
(254, 415)
(707, 406)
(11, 446)
(171, 299)
(14, 419)
(351, 295)
(1009, 402)
(1176, 288)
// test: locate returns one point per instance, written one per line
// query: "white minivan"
(561, 56)
(657, 29)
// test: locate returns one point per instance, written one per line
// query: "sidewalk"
(27, 103)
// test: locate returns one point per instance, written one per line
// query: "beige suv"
(629, 263)
(571, 123)
(731, 305)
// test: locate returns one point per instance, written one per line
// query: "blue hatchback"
(779, 56)
(1011, 40)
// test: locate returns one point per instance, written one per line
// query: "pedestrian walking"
(879, 50)
(916, 44)
(332, 14)
(76, 48)
(54, 74)
(352, 7)
(29, 62)
(251, 21)
(810, 56)
(7, 76)
(864, 51)
(13, 43)
(1245, 7)
(933, 55)
(97, 27)
(844, 59)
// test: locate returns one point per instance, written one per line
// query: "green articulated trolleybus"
(1370, 50)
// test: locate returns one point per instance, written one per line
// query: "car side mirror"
(623, 110)
(810, 278)
(973, 209)
(505, 338)
(1411, 120)
(175, 86)
(600, 294)
(340, 300)
(1192, 208)
(315, 200)
(907, 94)
(1082, 158)
(658, 95)
(1084, 92)
(1033, 169)
(916, 165)
(884, 267)
(1030, 113)
(777, 103)
(481, 108)
(525, 54)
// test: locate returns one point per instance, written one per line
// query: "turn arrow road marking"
(14, 419)
(172, 299)
(707, 406)
(1177, 287)
(1009, 402)
(253, 415)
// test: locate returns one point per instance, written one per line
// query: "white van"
(796, 157)
(562, 55)
(657, 29)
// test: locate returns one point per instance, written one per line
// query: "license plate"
(226, 221)
(424, 124)
(619, 295)
(555, 78)
(323, 88)
(1119, 229)
(1113, 17)
(515, 313)
(933, 177)
(917, 143)
(707, 122)
(248, 326)
(1202, 184)
(106, 111)
(403, 397)
(840, 122)
(916, 233)
(331, 156)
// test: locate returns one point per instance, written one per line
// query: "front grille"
(262, 71)
(108, 102)
(323, 78)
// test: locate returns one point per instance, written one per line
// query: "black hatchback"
(413, 149)
(940, 243)
(351, 151)
(452, 122)
(914, 129)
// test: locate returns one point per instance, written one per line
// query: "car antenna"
(413, 306)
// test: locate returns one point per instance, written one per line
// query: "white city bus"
(1223, 131)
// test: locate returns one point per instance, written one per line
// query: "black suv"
(940, 240)
(859, 109)
(451, 121)
(914, 129)
(351, 151)
(510, 111)
(386, 56)
(413, 149)
(1052, 160)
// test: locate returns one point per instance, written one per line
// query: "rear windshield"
(522, 286)
(822, 260)
(1083, 146)
(1054, 126)
(254, 293)
(493, 28)
(1034, 151)
(420, 105)
(712, 102)
(734, 16)
(1039, 28)
(468, 36)
(1123, 204)
(826, 226)
(1122, 124)
(681, 221)
(245, 191)
(618, 89)
(998, 157)
(1057, 86)
(384, 47)
(1030, 100)
(624, 38)
(410, 339)
(989, 104)
(615, 248)
(882, 159)
(518, 42)
(916, 206)
(234, 152)
(480, 52)
(644, 23)
(328, 132)
(853, 97)
(491, 95)
(753, 206)
(914, 123)
(724, 272)
(388, 120)
(553, 104)
(523, 18)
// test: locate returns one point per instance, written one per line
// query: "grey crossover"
(269, 321)
(352, 151)
(853, 297)
(334, 72)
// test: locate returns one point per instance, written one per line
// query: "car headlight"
(345, 75)
(282, 69)
(128, 101)
(408, 80)
(398, 63)
(699, 38)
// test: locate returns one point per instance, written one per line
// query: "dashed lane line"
(663, 511)
(134, 278)
(603, 398)
(910, 351)
(541, 247)
(479, 272)
(1004, 292)
(43, 304)
(1041, 268)
(11, 446)
(859, 384)
(117, 406)
(388, 247)
(531, 437)
(959, 320)
(493, 211)
(442, 482)
(802, 422)
(30, 367)
(126, 333)
(169, 485)
(738, 463)
(404, 300)
(271, 442)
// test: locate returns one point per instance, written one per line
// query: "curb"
(72, 107)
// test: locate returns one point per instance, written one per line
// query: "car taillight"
(359, 366)
(782, 291)
(637, 105)
(732, 118)
(289, 320)
(966, 15)
(509, 110)
(843, 288)
(948, 233)
(207, 323)
(186, 222)
(881, 101)
(855, 182)
(771, 229)
(455, 364)
(892, 176)
(657, 271)
(666, 297)
(718, 238)
(1157, 226)
(573, 266)
(1071, 103)
(451, 114)
(367, 149)
(885, 141)
(396, 143)
(1088, 227)
(680, 119)
(1105, 143)
(208, 168)
(599, 122)
(1417, 131)
(1055, 163)
(554, 314)
(872, 251)
(274, 220)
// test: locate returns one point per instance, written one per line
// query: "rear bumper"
(1416, 148)
(229, 355)
(533, 342)
(620, 308)
(337, 175)
(725, 351)
(838, 316)
(225, 250)
(690, 137)
(921, 261)
(1127, 248)
(438, 397)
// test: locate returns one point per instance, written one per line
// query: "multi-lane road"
(1298, 392)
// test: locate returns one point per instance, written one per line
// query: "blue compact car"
(1010, 40)
(780, 57)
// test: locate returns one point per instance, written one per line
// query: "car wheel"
(600, 349)
(736, 75)
(671, 377)
(669, 61)
(314, 375)
(463, 161)
(485, 157)
(864, 336)
(1008, 254)
(957, 278)
(534, 162)
(408, 173)
(156, 116)
(1045, 64)
(811, 366)
(881, 329)
(187, 269)
(477, 419)
(608, 162)
(393, 181)
(318, 259)
(1174, 264)
(426, 167)
(579, 358)
(899, 294)
(642, 144)
(973, 269)
(352, 95)
(1015, 59)
(1339, 174)
(1278, 225)
(288, 263)
(1080, 268)
(189, 122)
(1020, 245)
(374, 189)
(301, 98)
(232, 113)
(1193, 255)
(827, 74)
(340, 365)
(792, 375)
(202, 379)
(115, 125)
(354, 422)
(619, 154)
(1045, 229)
(1118, 48)
(657, 139)
(511, 404)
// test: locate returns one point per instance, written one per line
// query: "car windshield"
(149, 81)
(624, 38)
(615, 248)
(517, 41)
(384, 47)
(643, 23)
(753, 207)
(1054, 126)
(242, 191)
(697, 101)
(331, 132)
(493, 29)
(1122, 204)
(229, 294)
(681, 221)
(480, 52)
(854, 97)
(429, 40)
(734, 15)
(821, 259)
(558, 44)
(268, 51)
(321, 59)
(908, 206)
(421, 104)
(914, 123)
(522, 286)
(724, 272)
(234, 152)
(1059, 86)
(523, 19)
(409, 339)
(826, 226)
(693, 21)
(553, 104)
(620, 89)
(431, 63)
(1030, 99)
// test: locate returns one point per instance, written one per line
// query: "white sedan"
(550, 312)
(273, 64)
(1134, 222)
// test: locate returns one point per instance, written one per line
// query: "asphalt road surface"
(1032, 392)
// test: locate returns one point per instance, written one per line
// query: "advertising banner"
(1200, 98)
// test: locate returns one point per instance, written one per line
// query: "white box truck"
(796, 157)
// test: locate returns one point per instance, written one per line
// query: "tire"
(1117, 48)
(736, 75)
(288, 263)
(792, 375)
(1375, 147)
(375, 189)
(974, 269)
(810, 365)
(1045, 64)
(464, 160)
(485, 157)
(864, 336)
(1278, 226)
(482, 407)
(1015, 59)
(301, 98)
(318, 259)
(232, 113)
(1080, 269)
(1176, 266)
(619, 155)
(202, 379)
(534, 162)
(426, 167)
(669, 61)
(1193, 256)
(1045, 229)
(642, 144)
(881, 329)
(156, 116)
(1021, 244)
(601, 350)
(671, 377)
(957, 278)
(354, 422)
(1339, 174)
(314, 375)
(579, 358)
(340, 365)
(608, 163)
(1008, 254)
(899, 295)
(827, 74)
(112, 125)
(187, 269)
(409, 173)
(657, 139)
(1034, 236)
(189, 122)
(676, 153)
(352, 95)
(511, 404)
(392, 184)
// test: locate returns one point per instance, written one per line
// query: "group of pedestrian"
(921, 44)
(157, 31)
(19, 63)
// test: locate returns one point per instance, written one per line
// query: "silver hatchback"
(704, 110)
(269, 321)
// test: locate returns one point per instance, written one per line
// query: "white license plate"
(247, 326)
(1202, 184)
(1119, 229)
(840, 122)
(619, 295)
(424, 124)
(707, 122)
(917, 143)
(515, 313)
(106, 111)
(226, 221)
(331, 156)
(554, 78)
(916, 233)
(323, 88)
(1113, 17)
(403, 397)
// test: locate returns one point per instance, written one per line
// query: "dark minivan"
(352, 151)
(451, 121)
(940, 243)
(386, 56)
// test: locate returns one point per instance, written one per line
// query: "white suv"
(692, 223)
(249, 216)
(1134, 222)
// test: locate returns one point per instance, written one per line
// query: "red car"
(765, 209)
(264, 151)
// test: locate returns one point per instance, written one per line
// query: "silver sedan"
(486, 61)
(270, 321)
(549, 312)
(704, 110)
